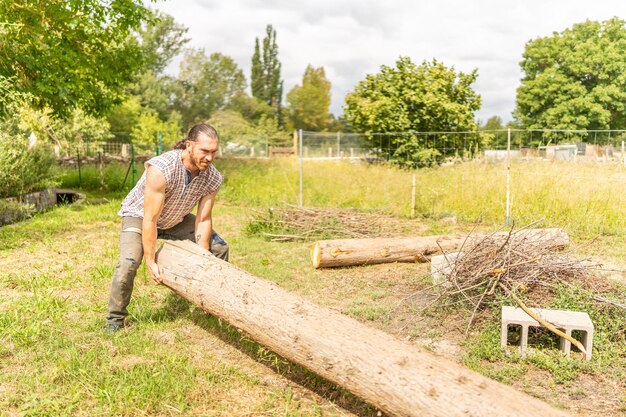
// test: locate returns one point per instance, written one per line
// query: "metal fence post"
(300, 140)
(339, 144)
(413, 186)
(78, 163)
(508, 177)
(132, 164)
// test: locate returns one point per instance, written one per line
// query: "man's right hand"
(153, 270)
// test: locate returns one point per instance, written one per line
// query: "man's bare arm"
(154, 198)
(204, 219)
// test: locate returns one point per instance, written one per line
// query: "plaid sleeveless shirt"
(179, 199)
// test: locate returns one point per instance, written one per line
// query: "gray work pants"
(131, 254)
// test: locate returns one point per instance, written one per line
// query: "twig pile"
(298, 223)
(513, 265)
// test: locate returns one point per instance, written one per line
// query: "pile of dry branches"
(306, 223)
(516, 266)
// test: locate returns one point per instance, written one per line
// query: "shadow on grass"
(177, 307)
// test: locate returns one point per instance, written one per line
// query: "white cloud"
(353, 38)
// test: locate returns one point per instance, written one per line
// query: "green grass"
(584, 198)
(55, 271)
(90, 178)
(609, 351)
(175, 359)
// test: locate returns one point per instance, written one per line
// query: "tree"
(70, 53)
(489, 137)
(251, 108)
(148, 127)
(206, 84)
(256, 76)
(575, 79)
(155, 92)
(428, 97)
(309, 103)
(410, 98)
(493, 123)
(123, 117)
(266, 84)
(161, 40)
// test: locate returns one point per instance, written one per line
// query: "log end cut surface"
(316, 256)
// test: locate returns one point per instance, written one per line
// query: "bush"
(12, 211)
(413, 155)
(23, 170)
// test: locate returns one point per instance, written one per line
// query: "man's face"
(202, 151)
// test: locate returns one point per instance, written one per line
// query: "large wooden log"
(394, 376)
(350, 252)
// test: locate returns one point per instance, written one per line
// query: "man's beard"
(202, 165)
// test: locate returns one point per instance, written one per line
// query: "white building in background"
(499, 154)
(559, 152)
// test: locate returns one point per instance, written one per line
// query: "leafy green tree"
(77, 127)
(235, 129)
(493, 123)
(231, 123)
(161, 38)
(123, 117)
(206, 84)
(266, 84)
(148, 127)
(269, 129)
(489, 138)
(410, 98)
(251, 108)
(309, 103)
(575, 79)
(338, 124)
(155, 91)
(70, 53)
(428, 97)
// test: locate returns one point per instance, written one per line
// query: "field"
(174, 359)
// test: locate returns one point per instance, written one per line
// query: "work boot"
(112, 328)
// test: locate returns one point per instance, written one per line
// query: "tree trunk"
(350, 252)
(396, 377)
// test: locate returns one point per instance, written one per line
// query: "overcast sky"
(352, 38)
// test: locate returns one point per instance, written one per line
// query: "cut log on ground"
(351, 252)
(396, 377)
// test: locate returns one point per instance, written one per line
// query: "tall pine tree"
(257, 73)
(265, 78)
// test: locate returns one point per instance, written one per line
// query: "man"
(160, 205)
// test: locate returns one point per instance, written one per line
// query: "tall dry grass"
(587, 198)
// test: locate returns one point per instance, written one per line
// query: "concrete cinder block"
(566, 321)
(441, 266)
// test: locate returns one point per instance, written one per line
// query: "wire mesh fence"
(511, 162)
(500, 156)
(414, 148)
(427, 148)
(90, 150)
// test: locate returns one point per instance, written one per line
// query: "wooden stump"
(394, 376)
